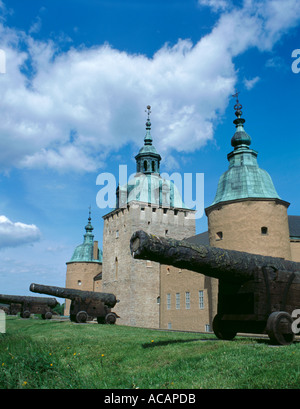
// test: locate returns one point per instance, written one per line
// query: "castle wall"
(185, 300)
(295, 250)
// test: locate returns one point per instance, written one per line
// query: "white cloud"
(16, 234)
(216, 5)
(99, 94)
(249, 84)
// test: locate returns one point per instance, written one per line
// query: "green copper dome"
(152, 189)
(85, 251)
(244, 178)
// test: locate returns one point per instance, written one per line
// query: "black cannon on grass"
(85, 305)
(257, 294)
(26, 305)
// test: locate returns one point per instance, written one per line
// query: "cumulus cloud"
(216, 5)
(13, 234)
(68, 110)
(249, 84)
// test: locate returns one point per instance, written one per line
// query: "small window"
(165, 211)
(153, 209)
(166, 232)
(145, 165)
(175, 212)
(153, 166)
(148, 263)
(187, 300)
(207, 328)
(158, 300)
(79, 282)
(116, 268)
(177, 301)
(219, 235)
(264, 230)
(168, 301)
(169, 325)
(117, 234)
(201, 300)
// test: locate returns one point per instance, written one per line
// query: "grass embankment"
(51, 354)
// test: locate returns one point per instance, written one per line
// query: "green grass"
(41, 354)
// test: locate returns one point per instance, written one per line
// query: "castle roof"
(85, 251)
(244, 178)
(294, 226)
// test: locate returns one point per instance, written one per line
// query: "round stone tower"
(247, 214)
(84, 270)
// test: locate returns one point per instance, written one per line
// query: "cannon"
(256, 294)
(85, 305)
(27, 305)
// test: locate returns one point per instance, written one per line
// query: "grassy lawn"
(50, 354)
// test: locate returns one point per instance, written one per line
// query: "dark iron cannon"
(27, 305)
(257, 294)
(85, 305)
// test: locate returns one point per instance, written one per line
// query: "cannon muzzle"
(72, 294)
(20, 299)
(229, 265)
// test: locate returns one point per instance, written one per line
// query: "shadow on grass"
(178, 341)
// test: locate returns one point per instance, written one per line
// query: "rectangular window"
(169, 325)
(168, 301)
(207, 328)
(187, 301)
(201, 300)
(177, 301)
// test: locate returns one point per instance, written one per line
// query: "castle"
(247, 215)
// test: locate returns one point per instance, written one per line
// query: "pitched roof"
(294, 226)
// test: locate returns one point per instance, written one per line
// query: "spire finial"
(89, 226)
(240, 138)
(149, 111)
(148, 138)
(237, 106)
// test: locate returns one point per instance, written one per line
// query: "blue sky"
(78, 77)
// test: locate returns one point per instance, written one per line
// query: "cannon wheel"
(279, 328)
(47, 316)
(110, 318)
(220, 330)
(25, 314)
(81, 317)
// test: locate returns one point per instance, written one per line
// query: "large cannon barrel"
(72, 294)
(21, 299)
(230, 265)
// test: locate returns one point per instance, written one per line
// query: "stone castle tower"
(84, 270)
(148, 202)
(247, 214)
